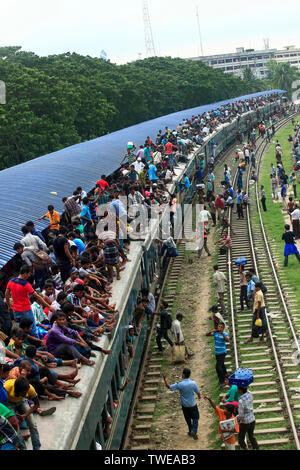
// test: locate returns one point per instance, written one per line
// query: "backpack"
(169, 321)
(263, 288)
(42, 260)
(172, 252)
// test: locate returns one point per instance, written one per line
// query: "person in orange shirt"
(224, 415)
(54, 218)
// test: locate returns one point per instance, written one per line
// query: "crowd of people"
(57, 288)
(236, 414)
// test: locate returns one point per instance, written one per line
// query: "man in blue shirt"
(152, 172)
(221, 338)
(187, 388)
(34, 231)
(186, 181)
(86, 218)
(239, 207)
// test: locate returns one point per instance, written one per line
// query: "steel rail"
(277, 361)
(260, 151)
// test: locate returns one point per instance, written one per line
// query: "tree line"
(60, 100)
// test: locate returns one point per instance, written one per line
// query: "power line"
(149, 42)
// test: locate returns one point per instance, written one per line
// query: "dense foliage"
(60, 100)
(283, 76)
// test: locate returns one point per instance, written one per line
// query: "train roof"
(27, 189)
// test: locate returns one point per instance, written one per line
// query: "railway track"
(139, 432)
(276, 383)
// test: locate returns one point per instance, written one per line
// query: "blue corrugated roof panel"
(25, 189)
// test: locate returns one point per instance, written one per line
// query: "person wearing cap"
(130, 339)
(224, 415)
(138, 165)
(188, 389)
(70, 282)
(178, 337)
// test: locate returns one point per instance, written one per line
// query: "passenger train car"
(82, 424)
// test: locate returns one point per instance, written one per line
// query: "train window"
(106, 421)
(114, 388)
(93, 445)
(121, 363)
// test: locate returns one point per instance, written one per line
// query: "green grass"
(273, 219)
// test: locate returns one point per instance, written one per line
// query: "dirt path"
(170, 429)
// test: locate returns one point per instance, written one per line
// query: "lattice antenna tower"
(267, 43)
(149, 42)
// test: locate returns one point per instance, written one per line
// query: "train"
(83, 424)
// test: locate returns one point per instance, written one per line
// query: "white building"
(237, 61)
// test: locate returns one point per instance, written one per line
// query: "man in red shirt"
(19, 289)
(169, 147)
(103, 183)
(220, 204)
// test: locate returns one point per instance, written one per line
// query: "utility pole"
(149, 42)
(199, 30)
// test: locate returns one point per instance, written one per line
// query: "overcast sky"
(88, 26)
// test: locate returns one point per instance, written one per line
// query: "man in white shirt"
(220, 280)
(295, 215)
(203, 216)
(32, 242)
(138, 165)
(177, 334)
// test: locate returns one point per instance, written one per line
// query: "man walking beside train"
(188, 389)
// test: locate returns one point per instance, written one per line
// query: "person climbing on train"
(165, 324)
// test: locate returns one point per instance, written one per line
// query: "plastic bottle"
(2, 352)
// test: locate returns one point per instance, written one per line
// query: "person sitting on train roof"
(65, 342)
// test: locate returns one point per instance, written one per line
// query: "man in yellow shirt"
(18, 390)
(53, 228)
(259, 308)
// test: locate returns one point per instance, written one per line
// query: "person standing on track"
(246, 418)
(187, 388)
(221, 338)
(243, 286)
(258, 314)
(239, 204)
(290, 246)
(220, 281)
(263, 198)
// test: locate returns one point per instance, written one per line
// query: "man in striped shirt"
(246, 418)
(221, 338)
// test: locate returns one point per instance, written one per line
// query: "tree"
(282, 76)
(64, 99)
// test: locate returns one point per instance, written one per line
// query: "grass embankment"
(274, 218)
